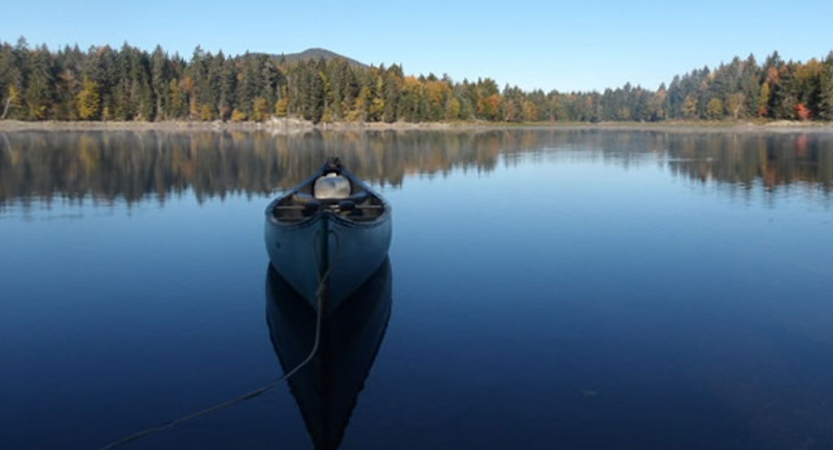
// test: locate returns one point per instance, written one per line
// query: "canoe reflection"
(327, 388)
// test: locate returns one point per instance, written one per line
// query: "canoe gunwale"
(328, 214)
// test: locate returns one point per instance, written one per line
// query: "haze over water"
(551, 288)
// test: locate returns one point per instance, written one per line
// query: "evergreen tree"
(750, 87)
(391, 92)
(40, 89)
(68, 65)
(228, 88)
(160, 75)
(826, 89)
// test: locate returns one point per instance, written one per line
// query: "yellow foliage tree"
(176, 96)
(238, 116)
(715, 108)
(435, 94)
(763, 100)
(205, 113)
(377, 108)
(281, 107)
(88, 100)
(260, 109)
(12, 100)
(530, 111)
(690, 107)
(453, 108)
(326, 117)
(360, 107)
(735, 104)
(194, 108)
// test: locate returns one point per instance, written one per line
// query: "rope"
(249, 395)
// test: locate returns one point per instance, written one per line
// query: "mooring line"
(249, 395)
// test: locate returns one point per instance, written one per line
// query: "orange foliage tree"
(802, 111)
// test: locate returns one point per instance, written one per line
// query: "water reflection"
(137, 166)
(327, 388)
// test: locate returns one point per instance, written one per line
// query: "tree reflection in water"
(141, 166)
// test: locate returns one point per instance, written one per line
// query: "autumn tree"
(177, 97)
(715, 109)
(689, 108)
(238, 116)
(735, 104)
(453, 109)
(206, 114)
(12, 100)
(489, 107)
(658, 105)
(89, 101)
(260, 109)
(802, 111)
(282, 103)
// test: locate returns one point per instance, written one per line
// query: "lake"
(549, 288)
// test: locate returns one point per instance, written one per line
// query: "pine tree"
(40, 92)
(228, 86)
(159, 81)
(826, 90)
(316, 94)
(392, 80)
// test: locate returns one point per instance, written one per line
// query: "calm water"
(550, 289)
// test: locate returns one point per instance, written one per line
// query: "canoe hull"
(346, 252)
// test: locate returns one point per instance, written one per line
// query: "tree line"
(130, 84)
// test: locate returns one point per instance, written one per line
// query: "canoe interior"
(363, 205)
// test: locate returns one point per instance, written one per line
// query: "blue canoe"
(340, 235)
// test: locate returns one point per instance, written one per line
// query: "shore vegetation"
(128, 84)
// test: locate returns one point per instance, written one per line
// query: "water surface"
(550, 289)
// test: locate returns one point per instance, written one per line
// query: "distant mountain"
(316, 53)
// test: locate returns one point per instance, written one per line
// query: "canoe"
(327, 235)
(327, 388)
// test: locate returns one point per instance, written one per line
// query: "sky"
(582, 45)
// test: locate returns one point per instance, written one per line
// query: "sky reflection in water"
(551, 289)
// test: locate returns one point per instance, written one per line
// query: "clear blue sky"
(580, 45)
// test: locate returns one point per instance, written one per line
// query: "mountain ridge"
(314, 53)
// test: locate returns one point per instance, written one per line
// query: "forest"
(130, 84)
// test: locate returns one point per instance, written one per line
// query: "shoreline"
(296, 126)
